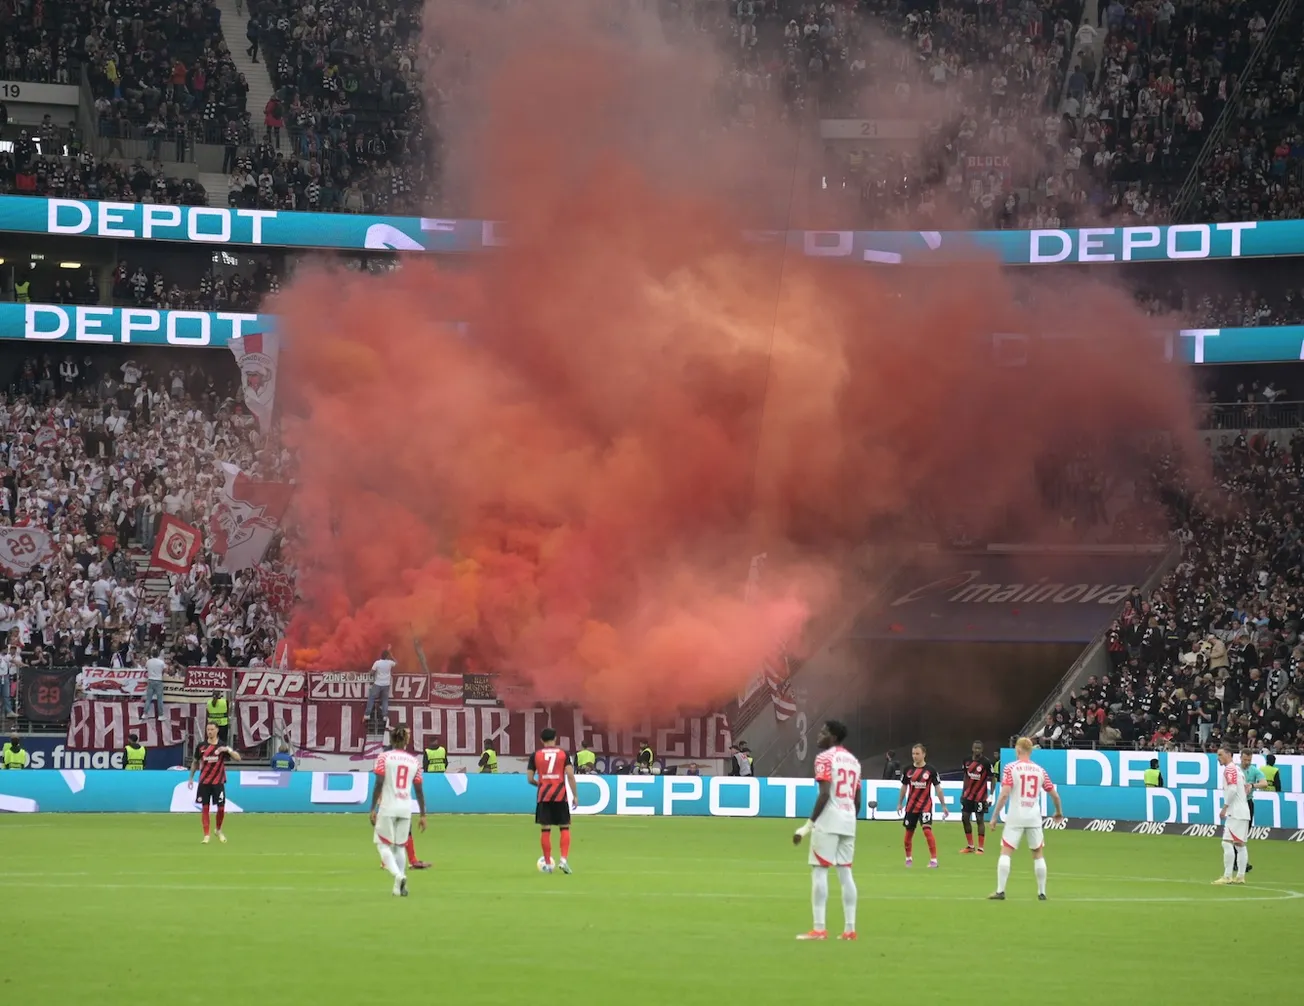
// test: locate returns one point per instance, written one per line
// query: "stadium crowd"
(98, 449)
(1214, 654)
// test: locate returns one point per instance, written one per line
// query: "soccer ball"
(543, 865)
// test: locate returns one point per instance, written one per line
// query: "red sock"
(910, 841)
(204, 815)
(565, 843)
(932, 843)
(982, 840)
(411, 850)
(221, 816)
(545, 843)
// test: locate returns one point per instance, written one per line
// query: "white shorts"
(1014, 834)
(392, 830)
(1236, 831)
(831, 850)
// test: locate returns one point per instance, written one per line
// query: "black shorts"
(914, 819)
(553, 814)
(211, 792)
(976, 807)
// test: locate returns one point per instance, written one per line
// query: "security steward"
(489, 760)
(1272, 774)
(1153, 778)
(436, 756)
(586, 762)
(133, 754)
(645, 759)
(219, 716)
(14, 755)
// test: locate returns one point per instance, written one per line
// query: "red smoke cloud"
(572, 492)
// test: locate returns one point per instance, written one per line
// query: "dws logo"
(1050, 824)
(1099, 825)
(961, 588)
(1150, 828)
(1201, 830)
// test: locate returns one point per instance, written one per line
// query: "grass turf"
(295, 909)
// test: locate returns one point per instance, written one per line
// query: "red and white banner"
(256, 683)
(195, 684)
(245, 517)
(256, 356)
(106, 725)
(45, 436)
(176, 546)
(209, 679)
(112, 683)
(353, 686)
(446, 689)
(337, 727)
(22, 549)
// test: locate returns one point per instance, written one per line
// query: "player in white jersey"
(398, 780)
(1235, 815)
(1022, 784)
(832, 827)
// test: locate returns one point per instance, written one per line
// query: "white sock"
(1242, 859)
(1002, 873)
(391, 864)
(1039, 868)
(1229, 858)
(819, 894)
(848, 884)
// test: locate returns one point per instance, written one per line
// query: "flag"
(46, 435)
(176, 545)
(23, 548)
(245, 517)
(276, 588)
(256, 356)
(778, 679)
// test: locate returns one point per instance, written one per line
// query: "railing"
(1186, 195)
(1253, 416)
(1050, 745)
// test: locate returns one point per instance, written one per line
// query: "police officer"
(218, 715)
(1272, 774)
(586, 762)
(14, 755)
(1153, 778)
(436, 756)
(134, 754)
(489, 760)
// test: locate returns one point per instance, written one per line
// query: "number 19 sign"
(22, 549)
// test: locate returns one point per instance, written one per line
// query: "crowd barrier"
(357, 232)
(73, 790)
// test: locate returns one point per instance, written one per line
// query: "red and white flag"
(245, 517)
(24, 548)
(46, 435)
(277, 589)
(256, 356)
(176, 546)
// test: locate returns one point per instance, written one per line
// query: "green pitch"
(133, 911)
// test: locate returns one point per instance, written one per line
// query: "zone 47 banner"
(290, 229)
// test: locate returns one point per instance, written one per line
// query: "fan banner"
(256, 356)
(176, 546)
(246, 515)
(106, 725)
(46, 694)
(23, 549)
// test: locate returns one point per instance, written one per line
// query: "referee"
(1256, 780)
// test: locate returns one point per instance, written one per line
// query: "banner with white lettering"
(353, 686)
(105, 725)
(338, 727)
(112, 683)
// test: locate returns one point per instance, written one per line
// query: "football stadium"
(503, 500)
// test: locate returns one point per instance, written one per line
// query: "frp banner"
(339, 727)
(105, 725)
(270, 228)
(269, 685)
(46, 694)
(623, 796)
(999, 597)
(1180, 769)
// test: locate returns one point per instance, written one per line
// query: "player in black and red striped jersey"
(918, 783)
(976, 798)
(550, 769)
(210, 762)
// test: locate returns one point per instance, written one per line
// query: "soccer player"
(1254, 779)
(832, 827)
(550, 769)
(975, 798)
(918, 783)
(1022, 784)
(210, 762)
(1235, 815)
(398, 779)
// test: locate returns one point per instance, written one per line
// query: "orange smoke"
(571, 493)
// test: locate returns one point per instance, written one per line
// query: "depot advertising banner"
(73, 790)
(1180, 769)
(272, 228)
(135, 326)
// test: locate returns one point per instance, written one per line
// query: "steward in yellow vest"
(489, 760)
(437, 757)
(134, 754)
(1152, 776)
(14, 755)
(586, 762)
(218, 715)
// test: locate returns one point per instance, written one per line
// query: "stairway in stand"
(256, 75)
(216, 185)
(156, 583)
